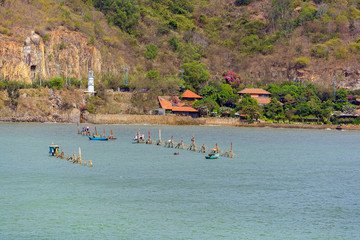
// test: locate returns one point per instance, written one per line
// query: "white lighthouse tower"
(91, 89)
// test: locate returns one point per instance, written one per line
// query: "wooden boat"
(139, 138)
(98, 138)
(53, 149)
(213, 155)
(176, 153)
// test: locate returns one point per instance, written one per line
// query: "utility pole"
(123, 67)
(335, 87)
(127, 75)
(66, 82)
(58, 70)
(40, 75)
(70, 76)
(182, 74)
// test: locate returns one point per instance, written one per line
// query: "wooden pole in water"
(149, 140)
(104, 133)
(112, 135)
(79, 158)
(95, 131)
(159, 143)
(231, 152)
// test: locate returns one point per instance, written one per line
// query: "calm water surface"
(283, 184)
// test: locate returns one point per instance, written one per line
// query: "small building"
(190, 96)
(179, 108)
(186, 111)
(262, 96)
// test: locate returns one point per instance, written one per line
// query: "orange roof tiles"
(253, 91)
(263, 100)
(180, 107)
(184, 109)
(165, 104)
(190, 94)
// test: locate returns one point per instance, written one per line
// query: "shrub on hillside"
(4, 30)
(163, 29)
(319, 51)
(354, 48)
(333, 43)
(301, 62)
(123, 13)
(174, 43)
(56, 83)
(173, 24)
(46, 37)
(341, 53)
(151, 51)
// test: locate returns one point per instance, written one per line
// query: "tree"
(123, 13)
(273, 109)
(302, 109)
(341, 95)
(249, 106)
(205, 106)
(195, 74)
(13, 93)
(224, 94)
(209, 91)
(289, 100)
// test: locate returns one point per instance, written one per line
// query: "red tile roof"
(253, 91)
(190, 94)
(165, 104)
(184, 109)
(263, 100)
(180, 107)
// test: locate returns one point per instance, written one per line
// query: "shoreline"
(172, 120)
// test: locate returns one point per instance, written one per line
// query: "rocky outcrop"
(37, 57)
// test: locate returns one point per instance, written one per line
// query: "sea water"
(282, 184)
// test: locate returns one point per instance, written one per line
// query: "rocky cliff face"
(33, 58)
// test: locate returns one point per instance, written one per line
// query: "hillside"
(263, 41)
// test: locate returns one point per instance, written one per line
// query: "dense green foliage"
(122, 13)
(195, 74)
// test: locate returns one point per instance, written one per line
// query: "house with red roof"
(262, 96)
(178, 108)
(190, 96)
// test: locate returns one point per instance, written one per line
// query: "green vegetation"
(268, 43)
(151, 51)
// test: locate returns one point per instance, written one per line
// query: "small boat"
(53, 149)
(139, 138)
(339, 127)
(99, 138)
(176, 153)
(213, 155)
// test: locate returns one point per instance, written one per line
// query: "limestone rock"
(33, 58)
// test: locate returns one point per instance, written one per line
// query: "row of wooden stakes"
(54, 151)
(181, 145)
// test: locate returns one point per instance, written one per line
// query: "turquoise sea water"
(282, 184)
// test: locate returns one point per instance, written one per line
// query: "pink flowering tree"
(232, 79)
